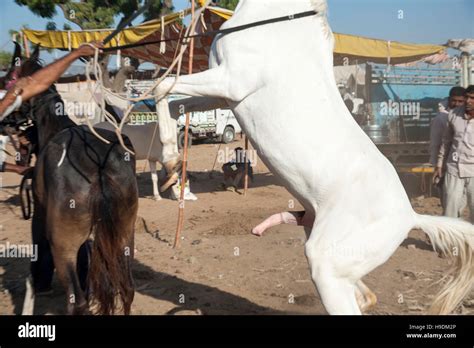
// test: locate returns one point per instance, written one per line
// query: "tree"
(95, 14)
(51, 26)
(229, 4)
(5, 60)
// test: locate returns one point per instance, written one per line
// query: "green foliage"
(158, 9)
(5, 59)
(42, 8)
(229, 4)
(51, 26)
(95, 14)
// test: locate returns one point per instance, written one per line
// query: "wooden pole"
(246, 177)
(25, 46)
(179, 228)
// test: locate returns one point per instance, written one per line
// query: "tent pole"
(25, 45)
(179, 228)
(246, 177)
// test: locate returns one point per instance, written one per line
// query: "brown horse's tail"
(109, 277)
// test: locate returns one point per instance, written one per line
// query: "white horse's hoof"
(189, 196)
(157, 198)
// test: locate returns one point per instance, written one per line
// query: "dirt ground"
(220, 268)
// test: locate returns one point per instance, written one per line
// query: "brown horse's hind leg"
(66, 271)
(65, 244)
(129, 291)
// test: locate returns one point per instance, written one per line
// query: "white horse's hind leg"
(337, 294)
(154, 179)
(366, 299)
(342, 251)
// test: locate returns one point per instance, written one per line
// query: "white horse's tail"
(455, 238)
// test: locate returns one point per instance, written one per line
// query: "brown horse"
(82, 188)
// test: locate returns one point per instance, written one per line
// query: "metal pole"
(179, 228)
(465, 69)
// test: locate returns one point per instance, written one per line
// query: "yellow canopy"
(348, 48)
(379, 51)
(72, 39)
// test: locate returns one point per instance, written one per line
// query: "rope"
(177, 62)
(220, 31)
(94, 63)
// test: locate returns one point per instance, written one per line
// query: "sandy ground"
(220, 267)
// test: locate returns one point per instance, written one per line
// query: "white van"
(219, 124)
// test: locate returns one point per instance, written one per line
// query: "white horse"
(278, 80)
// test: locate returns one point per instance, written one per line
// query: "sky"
(423, 21)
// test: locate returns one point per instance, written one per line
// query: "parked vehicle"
(219, 124)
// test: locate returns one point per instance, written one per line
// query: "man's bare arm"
(42, 79)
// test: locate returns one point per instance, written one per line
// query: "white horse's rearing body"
(278, 79)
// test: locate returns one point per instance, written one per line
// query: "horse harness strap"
(101, 164)
(221, 31)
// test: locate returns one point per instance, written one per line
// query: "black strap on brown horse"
(220, 31)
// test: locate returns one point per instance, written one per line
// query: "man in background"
(234, 171)
(456, 158)
(439, 123)
(438, 126)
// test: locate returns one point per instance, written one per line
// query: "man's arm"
(436, 135)
(444, 149)
(41, 80)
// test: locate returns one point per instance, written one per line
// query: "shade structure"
(349, 49)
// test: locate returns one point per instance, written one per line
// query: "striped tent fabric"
(202, 45)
